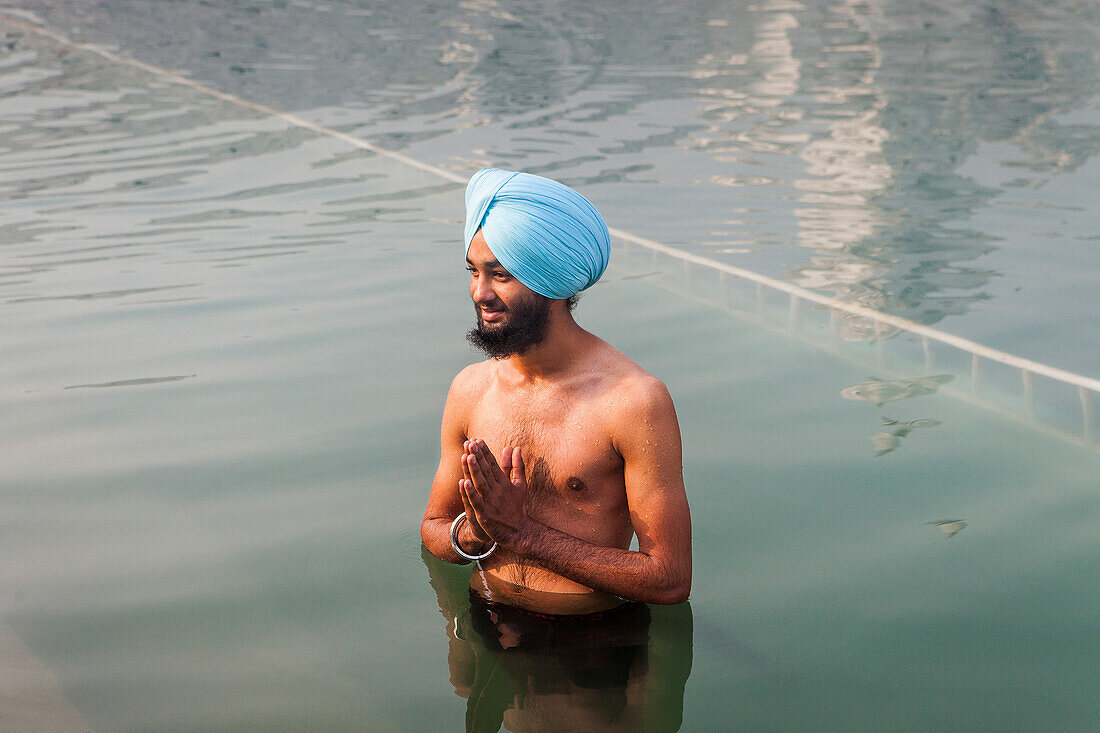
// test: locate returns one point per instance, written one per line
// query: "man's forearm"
(436, 535)
(625, 573)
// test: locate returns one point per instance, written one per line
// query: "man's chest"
(567, 449)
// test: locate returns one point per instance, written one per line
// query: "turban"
(544, 233)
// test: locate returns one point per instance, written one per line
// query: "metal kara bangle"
(454, 541)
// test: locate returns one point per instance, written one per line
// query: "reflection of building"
(850, 120)
(825, 140)
(888, 204)
(845, 172)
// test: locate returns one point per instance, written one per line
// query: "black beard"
(525, 326)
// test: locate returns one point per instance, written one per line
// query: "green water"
(226, 346)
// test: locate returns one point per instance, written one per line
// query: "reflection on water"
(123, 189)
(880, 391)
(889, 441)
(877, 151)
(861, 328)
(901, 429)
(949, 527)
(885, 443)
(133, 382)
(31, 698)
(624, 670)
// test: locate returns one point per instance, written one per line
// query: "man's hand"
(494, 495)
(471, 515)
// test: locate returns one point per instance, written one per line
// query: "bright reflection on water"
(935, 160)
(226, 343)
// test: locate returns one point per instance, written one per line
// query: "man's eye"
(502, 276)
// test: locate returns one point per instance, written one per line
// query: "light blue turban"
(544, 233)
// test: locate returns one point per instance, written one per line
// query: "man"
(558, 449)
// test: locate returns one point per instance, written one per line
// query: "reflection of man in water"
(626, 672)
(559, 448)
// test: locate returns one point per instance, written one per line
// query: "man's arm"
(646, 434)
(444, 502)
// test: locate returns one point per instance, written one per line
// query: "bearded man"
(558, 450)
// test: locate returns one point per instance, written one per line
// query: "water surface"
(227, 342)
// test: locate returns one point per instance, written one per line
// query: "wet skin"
(560, 454)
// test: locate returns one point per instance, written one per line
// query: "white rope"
(835, 304)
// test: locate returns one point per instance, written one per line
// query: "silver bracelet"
(454, 541)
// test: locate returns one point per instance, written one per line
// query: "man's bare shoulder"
(471, 382)
(640, 393)
(641, 422)
(632, 393)
(467, 389)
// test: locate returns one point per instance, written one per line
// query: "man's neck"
(558, 350)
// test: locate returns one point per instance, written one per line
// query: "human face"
(511, 317)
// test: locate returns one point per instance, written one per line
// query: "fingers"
(473, 518)
(488, 463)
(467, 452)
(517, 474)
(480, 467)
(474, 451)
(473, 499)
(478, 480)
(464, 489)
(464, 495)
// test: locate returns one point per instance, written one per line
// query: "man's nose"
(481, 290)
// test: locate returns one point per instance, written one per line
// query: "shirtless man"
(558, 448)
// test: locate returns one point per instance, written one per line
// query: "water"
(227, 341)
